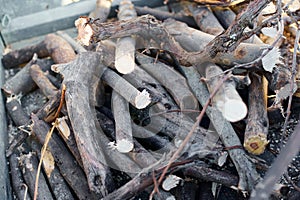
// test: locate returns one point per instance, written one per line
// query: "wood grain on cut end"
(85, 31)
(256, 144)
(124, 146)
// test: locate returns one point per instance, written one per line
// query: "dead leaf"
(48, 162)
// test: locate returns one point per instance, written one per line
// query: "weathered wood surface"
(80, 93)
(248, 176)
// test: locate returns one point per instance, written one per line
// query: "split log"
(227, 100)
(80, 93)
(174, 82)
(29, 165)
(22, 81)
(120, 107)
(126, 90)
(53, 45)
(255, 139)
(245, 168)
(38, 76)
(66, 163)
(125, 46)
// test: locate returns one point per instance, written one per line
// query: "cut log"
(42, 81)
(255, 139)
(125, 47)
(245, 168)
(120, 106)
(205, 19)
(126, 90)
(102, 10)
(227, 100)
(22, 81)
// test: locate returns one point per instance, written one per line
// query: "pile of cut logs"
(152, 104)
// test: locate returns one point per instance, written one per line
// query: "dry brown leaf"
(48, 162)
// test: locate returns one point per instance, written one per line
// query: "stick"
(102, 10)
(255, 139)
(66, 163)
(120, 106)
(18, 183)
(80, 84)
(29, 164)
(256, 132)
(126, 90)
(245, 168)
(194, 41)
(42, 81)
(56, 181)
(125, 47)
(139, 155)
(53, 45)
(205, 19)
(163, 15)
(208, 174)
(227, 100)
(171, 80)
(22, 81)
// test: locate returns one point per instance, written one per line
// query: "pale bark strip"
(124, 140)
(245, 168)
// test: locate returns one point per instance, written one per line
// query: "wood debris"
(153, 103)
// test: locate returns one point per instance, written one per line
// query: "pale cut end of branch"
(125, 50)
(85, 31)
(272, 58)
(142, 100)
(256, 144)
(124, 146)
(234, 110)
